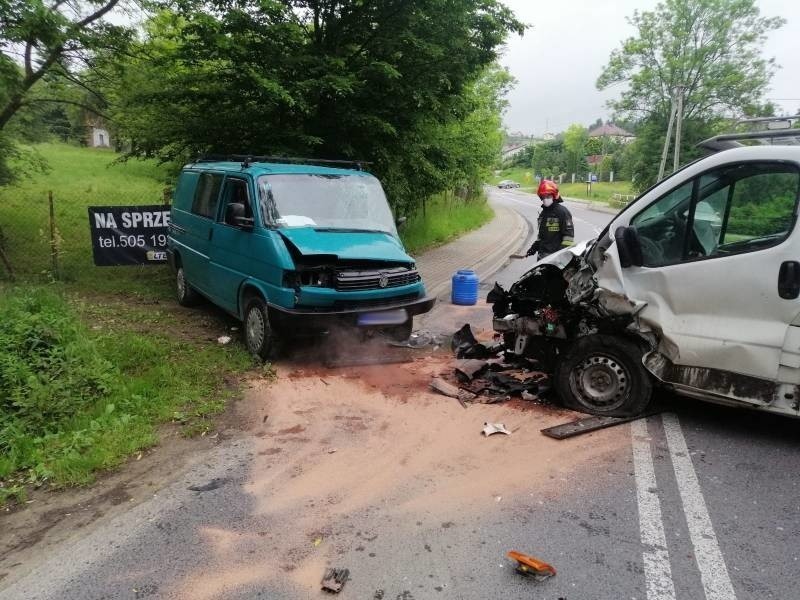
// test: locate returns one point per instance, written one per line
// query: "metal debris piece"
(334, 580)
(420, 339)
(441, 386)
(533, 567)
(470, 367)
(492, 428)
(463, 396)
(588, 424)
(526, 395)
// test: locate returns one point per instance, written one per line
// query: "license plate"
(386, 317)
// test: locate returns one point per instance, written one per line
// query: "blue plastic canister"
(465, 288)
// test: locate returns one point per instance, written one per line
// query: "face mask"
(547, 202)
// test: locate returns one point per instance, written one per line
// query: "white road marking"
(657, 572)
(713, 572)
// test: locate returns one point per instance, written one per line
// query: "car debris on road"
(530, 566)
(492, 428)
(334, 579)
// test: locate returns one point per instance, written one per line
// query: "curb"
(518, 232)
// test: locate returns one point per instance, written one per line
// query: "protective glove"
(534, 249)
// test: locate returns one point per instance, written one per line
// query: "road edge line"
(714, 575)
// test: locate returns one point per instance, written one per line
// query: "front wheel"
(400, 333)
(604, 375)
(259, 336)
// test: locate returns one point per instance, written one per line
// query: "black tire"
(400, 333)
(604, 375)
(259, 336)
(186, 294)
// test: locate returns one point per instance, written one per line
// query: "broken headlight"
(308, 278)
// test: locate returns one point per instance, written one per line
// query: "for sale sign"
(129, 235)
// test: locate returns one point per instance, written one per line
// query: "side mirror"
(234, 215)
(400, 221)
(629, 247)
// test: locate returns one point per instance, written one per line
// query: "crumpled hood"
(362, 245)
(564, 256)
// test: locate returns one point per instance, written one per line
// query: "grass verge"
(446, 217)
(600, 192)
(78, 178)
(75, 400)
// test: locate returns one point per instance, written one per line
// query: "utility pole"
(663, 164)
(679, 110)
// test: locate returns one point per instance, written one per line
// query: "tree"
(383, 81)
(711, 49)
(575, 138)
(708, 51)
(54, 39)
(46, 54)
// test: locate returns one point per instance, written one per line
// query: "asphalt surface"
(702, 503)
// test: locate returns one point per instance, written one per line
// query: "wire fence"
(46, 235)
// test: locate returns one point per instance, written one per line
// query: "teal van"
(291, 249)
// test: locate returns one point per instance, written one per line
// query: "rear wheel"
(259, 336)
(187, 296)
(604, 375)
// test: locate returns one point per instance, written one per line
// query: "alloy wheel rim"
(255, 329)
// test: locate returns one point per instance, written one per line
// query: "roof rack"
(248, 159)
(778, 132)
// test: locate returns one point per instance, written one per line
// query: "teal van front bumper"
(348, 312)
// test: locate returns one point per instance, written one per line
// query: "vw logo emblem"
(383, 280)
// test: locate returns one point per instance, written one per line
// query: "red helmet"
(548, 188)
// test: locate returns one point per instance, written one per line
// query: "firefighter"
(555, 222)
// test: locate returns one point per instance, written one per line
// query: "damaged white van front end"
(694, 286)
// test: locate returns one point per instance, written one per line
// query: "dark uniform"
(556, 230)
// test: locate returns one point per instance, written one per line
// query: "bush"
(49, 368)
(74, 400)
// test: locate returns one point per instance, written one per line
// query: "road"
(362, 469)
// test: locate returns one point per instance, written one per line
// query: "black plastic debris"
(467, 369)
(334, 580)
(494, 375)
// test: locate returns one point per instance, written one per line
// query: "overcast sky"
(558, 60)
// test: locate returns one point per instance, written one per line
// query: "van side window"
(760, 210)
(206, 195)
(739, 208)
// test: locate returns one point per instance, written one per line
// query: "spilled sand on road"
(373, 444)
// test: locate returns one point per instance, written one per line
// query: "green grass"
(78, 178)
(600, 192)
(446, 217)
(75, 400)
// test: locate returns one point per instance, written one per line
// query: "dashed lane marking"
(657, 572)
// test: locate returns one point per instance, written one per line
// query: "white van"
(693, 286)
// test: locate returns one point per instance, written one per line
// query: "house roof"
(610, 130)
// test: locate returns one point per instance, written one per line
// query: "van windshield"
(334, 202)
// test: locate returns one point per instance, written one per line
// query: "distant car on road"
(507, 184)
